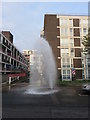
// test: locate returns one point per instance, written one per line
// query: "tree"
(86, 42)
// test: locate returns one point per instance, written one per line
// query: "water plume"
(43, 72)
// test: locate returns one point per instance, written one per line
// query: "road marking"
(82, 95)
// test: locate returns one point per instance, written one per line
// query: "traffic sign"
(73, 71)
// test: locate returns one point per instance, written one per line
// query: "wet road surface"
(67, 103)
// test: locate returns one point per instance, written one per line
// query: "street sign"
(73, 71)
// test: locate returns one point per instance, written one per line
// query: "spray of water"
(43, 71)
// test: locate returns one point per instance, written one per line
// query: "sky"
(25, 20)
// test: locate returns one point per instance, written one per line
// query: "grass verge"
(72, 83)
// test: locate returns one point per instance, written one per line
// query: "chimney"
(8, 35)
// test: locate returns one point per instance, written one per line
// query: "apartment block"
(34, 61)
(13, 64)
(64, 33)
(27, 54)
(32, 57)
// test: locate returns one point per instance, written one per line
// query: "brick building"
(64, 34)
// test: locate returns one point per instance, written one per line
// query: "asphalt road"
(69, 102)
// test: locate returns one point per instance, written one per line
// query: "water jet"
(43, 73)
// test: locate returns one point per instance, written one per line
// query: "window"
(64, 77)
(89, 22)
(68, 71)
(63, 31)
(88, 64)
(85, 21)
(84, 30)
(65, 52)
(7, 58)
(64, 71)
(72, 50)
(65, 62)
(71, 31)
(4, 57)
(80, 31)
(80, 21)
(71, 42)
(82, 65)
(71, 22)
(24, 52)
(88, 73)
(68, 66)
(88, 60)
(25, 55)
(64, 42)
(66, 74)
(83, 74)
(63, 22)
(63, 59)
(68, 60)
(64, 65)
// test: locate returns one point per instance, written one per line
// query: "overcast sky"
(25, 20)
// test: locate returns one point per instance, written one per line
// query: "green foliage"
(86, 42)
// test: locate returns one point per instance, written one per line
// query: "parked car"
(86, 88)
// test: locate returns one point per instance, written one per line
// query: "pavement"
(68, 102)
